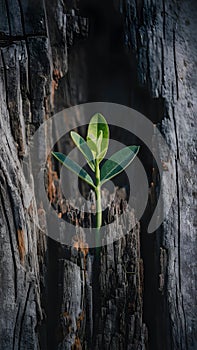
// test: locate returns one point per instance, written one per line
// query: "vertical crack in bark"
(179, 223)
(6, 82)
(28, 55)
(11, 246)
(8, 15)
(175, 64)
(29, 79)
(178, 196)
(22, 16)
(185, 323)
(23, 317)
(164, 19)
(148, 74)
(15, 327)
(176, 133)
(162, 64)
(179, 329)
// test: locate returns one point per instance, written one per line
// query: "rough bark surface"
(49, 293)
(25, 82)
(163, 36)
(101, 299)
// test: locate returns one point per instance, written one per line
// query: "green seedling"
(94, 150)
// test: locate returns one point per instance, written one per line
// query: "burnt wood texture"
(141, 293)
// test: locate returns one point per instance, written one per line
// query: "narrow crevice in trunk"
(112, 77)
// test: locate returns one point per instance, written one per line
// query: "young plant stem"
(98, 207)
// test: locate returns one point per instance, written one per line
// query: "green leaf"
(99, 142)
(74, 167)
(97, 125)
(92, 145)
(118, 162)
(84, 148)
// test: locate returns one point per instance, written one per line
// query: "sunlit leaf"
(99, 142)
(118, 162)
(92, 145)
(74, 167)
(84, 148)
(96, 125)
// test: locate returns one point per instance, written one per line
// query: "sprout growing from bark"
(94, 150)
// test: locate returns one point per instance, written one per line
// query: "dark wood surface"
(55, 54)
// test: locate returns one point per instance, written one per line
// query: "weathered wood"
(25, 82)
(102, 300)
(49, 60)
(163, 36)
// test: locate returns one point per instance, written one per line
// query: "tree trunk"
(56, 54)
(163, 36)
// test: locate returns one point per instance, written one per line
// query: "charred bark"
(141, 54)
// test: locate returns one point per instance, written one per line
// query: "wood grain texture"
(49, 293)
(163, 36)
(25, 82)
